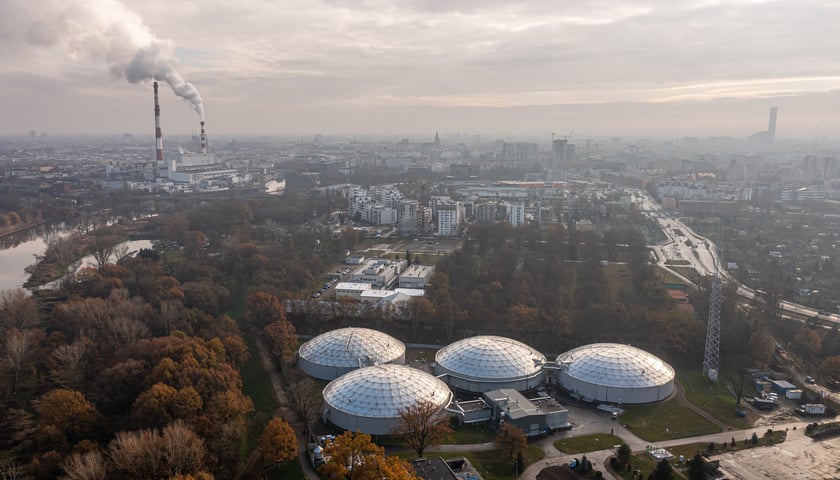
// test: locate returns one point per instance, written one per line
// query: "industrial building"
(614, 373)
(416, 276)
(482, 363)
(370, 399)
(534, 416)
(380, 272)
(334, 353)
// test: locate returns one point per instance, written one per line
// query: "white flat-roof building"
(351, 289)
(381, 273)
(416, 276)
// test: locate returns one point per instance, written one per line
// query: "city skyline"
(646, 68)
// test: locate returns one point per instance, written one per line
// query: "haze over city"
(642, 68)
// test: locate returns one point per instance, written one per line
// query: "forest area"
(132, 369)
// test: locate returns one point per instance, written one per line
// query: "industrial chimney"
(158, 134)
(202, 137)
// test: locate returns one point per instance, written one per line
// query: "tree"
(90, 465)
(696, 468)
(66, 412)
(623, 454)
(664, 471)
(282, 340)
(418, 310)
(830, 367)
(511, 439)
(353, 456)
(278, 442)
(17, 346)
(421, 425)
(17, 309)
(264, 308)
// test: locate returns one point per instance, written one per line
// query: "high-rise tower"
(771, 127)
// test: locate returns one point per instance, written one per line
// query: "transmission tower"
(711, 356)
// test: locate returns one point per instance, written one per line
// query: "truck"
(811, 409)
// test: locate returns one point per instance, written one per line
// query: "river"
(20, 250)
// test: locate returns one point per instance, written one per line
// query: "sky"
(654, 68)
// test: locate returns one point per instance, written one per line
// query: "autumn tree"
(305, 394)
(830, 367)
(418, 310)
(66, 413)
(264, 308)
(17, 309)
(353, 456)
(146, 454)
(278, 442)
(421, 425)
(511, 439)
(282, 340)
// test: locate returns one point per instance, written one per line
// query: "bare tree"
(18, 309)
(305, 396)
(12, 471)
(422, 425)
(69, 365)
(90, 465)
(101, 249)
(170, 312)
(136, 454)
(182, 450)
(120, 251)
(60, 250)
(18, 345)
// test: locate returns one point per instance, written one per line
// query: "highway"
(685, 248)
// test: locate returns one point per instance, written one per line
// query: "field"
(665, 421)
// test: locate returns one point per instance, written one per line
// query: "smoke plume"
(98, 30)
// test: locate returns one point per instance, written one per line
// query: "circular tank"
(615, 373)
(370, 399)
(483, 363)
(334, 353)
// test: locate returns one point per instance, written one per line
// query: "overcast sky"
(599, 67)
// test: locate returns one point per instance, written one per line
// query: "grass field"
(587, 443)
(664, 421)
(714, 398)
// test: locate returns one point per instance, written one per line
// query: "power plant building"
(615, 373)
(369, 400)
(483, 363)
(334, 353)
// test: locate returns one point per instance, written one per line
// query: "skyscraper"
(771, 127)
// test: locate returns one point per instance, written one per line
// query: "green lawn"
(587, 443)
(664, 421)
(642, 462)
(470, 434)
(713, 397)
(491, 464)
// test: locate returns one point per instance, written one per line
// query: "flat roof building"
(416, 276)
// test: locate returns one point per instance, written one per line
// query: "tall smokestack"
(158, 133)
(202, 137)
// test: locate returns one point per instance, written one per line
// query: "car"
(810, 379)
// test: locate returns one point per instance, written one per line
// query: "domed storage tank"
(611, 372)
(370, 399)
(334, 353)
(483, 363)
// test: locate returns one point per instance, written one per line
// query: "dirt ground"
(799, 457)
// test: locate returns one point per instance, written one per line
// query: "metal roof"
(616, 365)
(384, 390)
(489, 357)
(352, 347)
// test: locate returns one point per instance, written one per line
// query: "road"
(685, 245)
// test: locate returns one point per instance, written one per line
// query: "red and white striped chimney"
(202, 137)
(158, 134)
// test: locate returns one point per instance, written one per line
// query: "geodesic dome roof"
(352, 348)
(616, 365)
(384, 390)
(488, 357)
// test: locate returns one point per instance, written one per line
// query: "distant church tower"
(437, 141)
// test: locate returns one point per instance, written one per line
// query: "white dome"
(612, 372)
(370, 399)
(482, 363)
(336, 352)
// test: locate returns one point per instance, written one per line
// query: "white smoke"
(100, 30)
